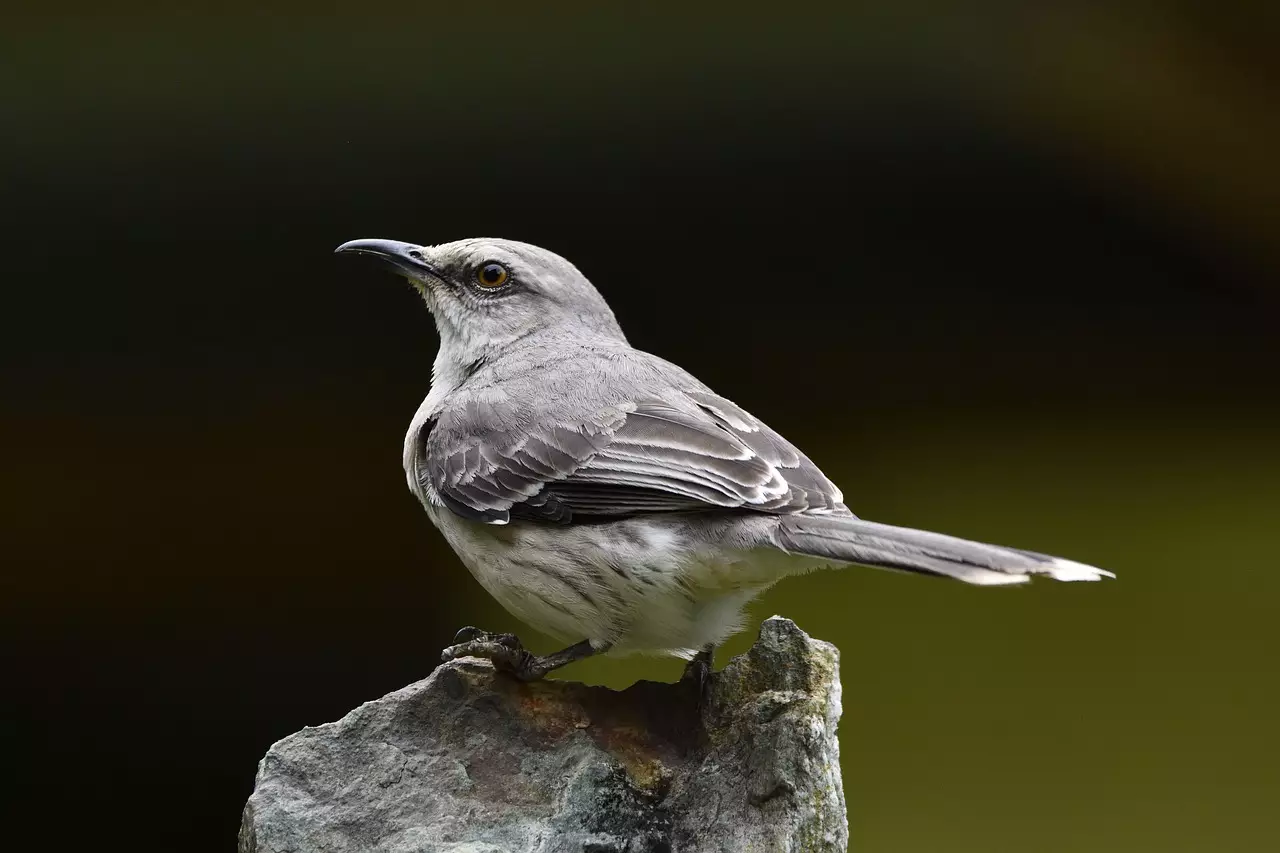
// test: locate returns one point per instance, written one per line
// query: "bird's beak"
(405, 258)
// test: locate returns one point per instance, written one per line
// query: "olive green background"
(1005, 272)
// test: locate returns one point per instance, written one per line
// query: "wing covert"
(695, 452)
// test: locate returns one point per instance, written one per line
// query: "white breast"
(656, 584)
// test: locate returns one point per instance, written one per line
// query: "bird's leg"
(698, 669)
(509, 655)
(537, 667)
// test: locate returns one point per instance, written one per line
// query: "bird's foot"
(505, 651)
(698, 671)
(509, 655)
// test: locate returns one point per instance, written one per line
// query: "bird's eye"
(492, 274)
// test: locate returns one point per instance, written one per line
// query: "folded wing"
(697, 451)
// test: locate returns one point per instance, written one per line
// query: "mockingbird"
(607, 497)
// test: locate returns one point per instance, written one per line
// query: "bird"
(605, 496)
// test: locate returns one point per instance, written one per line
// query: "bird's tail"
(847, 539)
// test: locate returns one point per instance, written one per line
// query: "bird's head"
(486, 294)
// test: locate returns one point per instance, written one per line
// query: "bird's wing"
(696, 451)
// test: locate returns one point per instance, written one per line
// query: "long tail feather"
(847, 539)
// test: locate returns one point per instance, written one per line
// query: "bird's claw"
(467, 634)
(471, 634)
(504, 650)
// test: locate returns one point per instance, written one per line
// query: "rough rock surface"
(469, 761)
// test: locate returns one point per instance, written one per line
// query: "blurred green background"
(1003, 271)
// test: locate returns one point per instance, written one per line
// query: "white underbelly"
(639, 585)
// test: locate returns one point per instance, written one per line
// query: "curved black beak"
(404, 258)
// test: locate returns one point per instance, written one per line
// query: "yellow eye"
(492, 274)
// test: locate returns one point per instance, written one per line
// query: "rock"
(471, 761)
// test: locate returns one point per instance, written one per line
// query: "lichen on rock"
(470, 761)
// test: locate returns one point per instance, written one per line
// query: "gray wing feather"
(696, 452)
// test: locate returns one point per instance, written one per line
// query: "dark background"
(1010, 273)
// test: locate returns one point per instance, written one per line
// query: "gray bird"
(605, 496)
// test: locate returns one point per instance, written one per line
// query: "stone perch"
(468, 761)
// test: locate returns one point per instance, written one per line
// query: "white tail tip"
(1068, 570)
